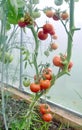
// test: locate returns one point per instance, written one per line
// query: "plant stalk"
(2, 72)
(36, 48)
(71, 31)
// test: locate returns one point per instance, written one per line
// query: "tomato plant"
(22, 15)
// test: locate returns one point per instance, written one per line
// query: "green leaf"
(12, 20)
(20, 3)
(14, 5)
(8, 26)
(76, 0)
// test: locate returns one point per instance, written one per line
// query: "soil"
(16, 108)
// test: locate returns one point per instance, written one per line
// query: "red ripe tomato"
(42, 35)
(52, 32)
(47, 117)
(64, 15)
(48, 28)
(44, 108)
(54, 46)
(57, 61)
(35, 87)
(21, 24)
(56, 17)
(45, 84)
(70, 65)
(49, 13)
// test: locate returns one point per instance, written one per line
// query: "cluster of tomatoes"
(57, 15)
(60, 60)
(46, 29)
(45, 111)
(42, 82)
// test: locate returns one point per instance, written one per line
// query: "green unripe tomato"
(58, 2)
(8, 57)
(36, 14)
(35, 1)
(26, 82)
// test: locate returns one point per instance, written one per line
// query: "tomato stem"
(71, 31)
(36, 48)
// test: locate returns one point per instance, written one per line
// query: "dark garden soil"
(17, 108)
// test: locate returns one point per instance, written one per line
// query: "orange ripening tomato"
(47, 73)
(44, 108)
(47, 70)
(35, 87)
(42, 35)
(47, 76)
(54, 36)
(54, 46)
(45, 84)
(64, 15)
(49, 13)
(47, 28)
(57, 61)
(47, 117)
